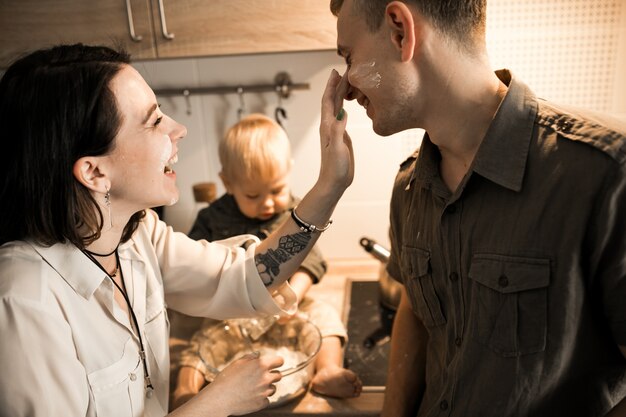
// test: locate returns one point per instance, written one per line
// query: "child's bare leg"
(190, 382)
(331, 378)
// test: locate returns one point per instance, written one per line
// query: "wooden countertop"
(368, 404)
(332, 289)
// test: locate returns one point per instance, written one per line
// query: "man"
(508, 228)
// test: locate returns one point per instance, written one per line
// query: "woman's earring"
(107, 202)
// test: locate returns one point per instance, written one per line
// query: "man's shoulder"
(601, 131)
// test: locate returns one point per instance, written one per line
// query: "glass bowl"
(298, 341)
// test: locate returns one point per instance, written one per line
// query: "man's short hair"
(461, 20)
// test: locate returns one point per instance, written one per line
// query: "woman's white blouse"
(68, 349)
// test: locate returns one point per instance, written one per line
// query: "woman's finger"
(276, 375)
(328, 98)
(272, 362)
(338, 129)
(340, 93)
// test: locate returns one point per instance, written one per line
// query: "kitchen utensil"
(298, 341)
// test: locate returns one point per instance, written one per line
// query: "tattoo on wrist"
(269, 263)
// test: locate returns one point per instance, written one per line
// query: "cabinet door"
(26, 25)
(225, 27)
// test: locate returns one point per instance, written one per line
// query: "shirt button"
(132, 376)
(458, 341)
(451, 209)
(503, 281)
(443, 405)
(454, 276)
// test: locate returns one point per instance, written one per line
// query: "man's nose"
(352, 93)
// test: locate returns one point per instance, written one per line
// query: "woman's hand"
(241, 388)
(245, 384)
(337, 167)
(278, 257)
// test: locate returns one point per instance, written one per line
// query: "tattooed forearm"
(269, 263)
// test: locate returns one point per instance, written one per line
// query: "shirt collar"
(502, 155)
(73, 265)
(503, 152)
(426, 171)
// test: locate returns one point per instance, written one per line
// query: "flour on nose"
(365, 75)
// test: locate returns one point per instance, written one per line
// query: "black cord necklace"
(102, 255)
(142, 353)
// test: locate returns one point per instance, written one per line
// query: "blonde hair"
(255, 147)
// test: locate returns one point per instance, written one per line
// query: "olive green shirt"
(519, 275)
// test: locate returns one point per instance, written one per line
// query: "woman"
(86, 268)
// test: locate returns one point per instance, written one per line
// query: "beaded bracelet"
(308, 227)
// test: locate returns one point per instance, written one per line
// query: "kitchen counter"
(332, 289)
(368, 404)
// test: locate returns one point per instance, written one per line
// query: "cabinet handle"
(131, 25)
(166, 34)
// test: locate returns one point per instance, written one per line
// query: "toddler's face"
(261, 199)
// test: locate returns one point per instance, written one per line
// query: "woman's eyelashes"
(159, 118)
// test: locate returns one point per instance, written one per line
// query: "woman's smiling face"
(145, 147)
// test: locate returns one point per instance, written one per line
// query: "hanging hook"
(280, 114)
(242, 106)
(282, 82)
(186, 93)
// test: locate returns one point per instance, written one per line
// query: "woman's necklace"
(102, 255)
(105, 255)
(118, 268)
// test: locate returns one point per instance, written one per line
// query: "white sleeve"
(213, 279)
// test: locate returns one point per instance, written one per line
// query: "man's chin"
(381, 129)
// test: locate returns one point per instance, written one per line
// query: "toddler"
(255, 156)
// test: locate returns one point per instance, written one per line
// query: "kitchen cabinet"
(168, 28)
(224, 27)
(26, 25)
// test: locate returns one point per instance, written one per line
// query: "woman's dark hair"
(56, 106)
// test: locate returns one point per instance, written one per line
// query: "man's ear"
(87, 172)
(225, 181)
(399, 19)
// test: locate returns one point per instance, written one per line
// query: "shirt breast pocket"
(420, 286)
(157, 329)
(117, 390)
(510, 303)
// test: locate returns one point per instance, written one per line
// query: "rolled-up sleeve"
(209, 279)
